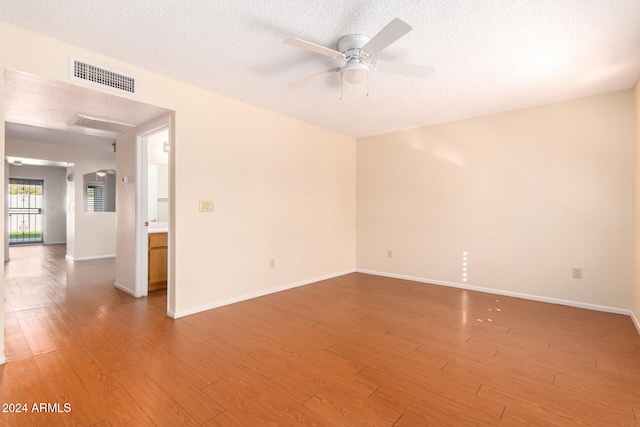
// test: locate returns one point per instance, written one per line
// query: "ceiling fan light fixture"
(354, 72)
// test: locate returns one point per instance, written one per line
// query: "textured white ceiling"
(40, 102)
(42, 110)
(490, 56)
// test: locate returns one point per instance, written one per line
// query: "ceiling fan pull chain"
(341, 87)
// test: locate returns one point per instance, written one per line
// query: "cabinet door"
(157, 261)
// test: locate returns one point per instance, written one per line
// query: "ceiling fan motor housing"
(352, 44)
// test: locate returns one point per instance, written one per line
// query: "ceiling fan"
(357, 50)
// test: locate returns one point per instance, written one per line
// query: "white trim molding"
(3, 359)
(123, 289)
(636, 322)
(595, 307)
(89, 258)
(503, 293)
(183, 313)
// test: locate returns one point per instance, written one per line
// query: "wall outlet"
(272, 263)
(576, 272)
(389, 253)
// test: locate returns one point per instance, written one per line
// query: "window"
(94, 200)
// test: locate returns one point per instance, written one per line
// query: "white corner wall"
(528, 195)
(4, 172)
(125, 212)
(635, 298)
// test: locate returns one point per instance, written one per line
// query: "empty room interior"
(331, 214)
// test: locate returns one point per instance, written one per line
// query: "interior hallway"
(355, 350)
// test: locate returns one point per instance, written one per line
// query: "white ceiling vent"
(101, 124)
(102, 76)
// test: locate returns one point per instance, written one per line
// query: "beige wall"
(282, 189)
(528, 194)
(635, 300)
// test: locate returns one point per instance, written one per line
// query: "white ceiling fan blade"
(313, 77)
(294, 41)
(389, 34)
(410, 70)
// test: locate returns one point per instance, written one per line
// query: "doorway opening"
(25, 211)
(153, 145)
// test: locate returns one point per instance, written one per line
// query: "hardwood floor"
(357, 350)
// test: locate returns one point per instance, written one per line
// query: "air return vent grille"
(101, 124)
(101, 76)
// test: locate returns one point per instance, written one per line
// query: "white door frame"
(142, 243)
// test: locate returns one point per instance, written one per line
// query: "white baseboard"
(89, 258)
(501, 292)
(183, 313)
(635, 321)
(3, 360)
(123, 289)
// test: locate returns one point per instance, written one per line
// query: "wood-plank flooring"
(357, 350)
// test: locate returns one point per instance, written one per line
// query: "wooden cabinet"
(157, 261)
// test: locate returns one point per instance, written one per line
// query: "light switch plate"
(206, 206)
